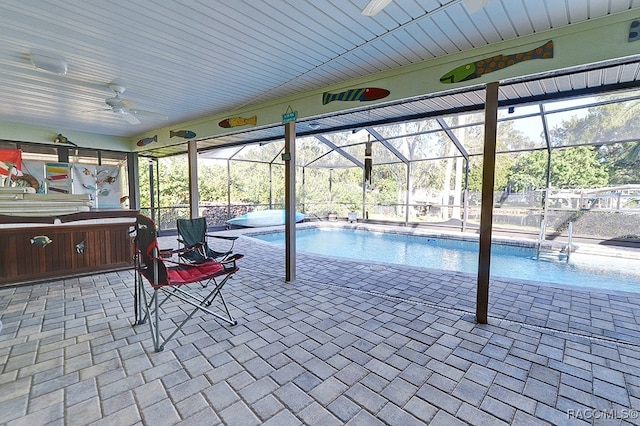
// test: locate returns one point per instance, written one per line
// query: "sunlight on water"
(462, 256)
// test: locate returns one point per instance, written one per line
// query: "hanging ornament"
(368, 164)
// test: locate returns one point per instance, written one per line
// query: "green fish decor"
(485, 66)
(187, 134)
(63, 140)
(41, 240)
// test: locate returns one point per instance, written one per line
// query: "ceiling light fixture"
(475, 5)
(374, 7)
(56, 65)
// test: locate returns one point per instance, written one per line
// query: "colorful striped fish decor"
(485, 66)
(634, 31)
(363, 95)
(238, 121)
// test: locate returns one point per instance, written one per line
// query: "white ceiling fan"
(125, 108)
(375, 6)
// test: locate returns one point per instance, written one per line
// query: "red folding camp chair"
(169, 279)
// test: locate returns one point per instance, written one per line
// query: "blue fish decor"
(634, 31)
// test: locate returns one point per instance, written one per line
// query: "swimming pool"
(508, 261)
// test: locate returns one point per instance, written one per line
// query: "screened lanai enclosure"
(561, 165)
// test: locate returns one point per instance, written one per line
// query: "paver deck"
(346, 343)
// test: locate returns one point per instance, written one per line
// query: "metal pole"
(134, 187)
(270, 185)
(465, 196)
(194, 201)
(152, 192)
(406, 202)
(228, 189)
(290, 199)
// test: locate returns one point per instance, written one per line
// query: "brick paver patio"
(346, 343)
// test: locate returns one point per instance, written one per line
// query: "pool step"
(553, 250)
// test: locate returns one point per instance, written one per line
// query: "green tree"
(613, 127)
(503, 172)
(576, 167)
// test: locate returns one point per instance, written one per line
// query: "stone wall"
(218, 214)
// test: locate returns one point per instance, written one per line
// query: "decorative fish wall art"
(485, 66)
(238, 121)
(187, 134)
(63, 140)
(41, 240)
(634, 31)
(363, 95)
(147, 141)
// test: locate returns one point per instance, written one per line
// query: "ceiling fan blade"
(374, 7)
(97, 110)
(475, 5)
(148, 114)
(129, 118)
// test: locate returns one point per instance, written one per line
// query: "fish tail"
(327, 97)
(252, 120)
(543, 52)
(171, 133)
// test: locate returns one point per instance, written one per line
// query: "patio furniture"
(192, 233)
(191, 285)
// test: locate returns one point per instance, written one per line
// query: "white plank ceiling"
(191, 58)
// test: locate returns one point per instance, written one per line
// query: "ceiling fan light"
(374, 7)
(475, 5)
(52, 64)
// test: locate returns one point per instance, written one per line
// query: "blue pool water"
(455, 255)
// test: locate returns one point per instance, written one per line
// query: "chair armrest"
(223, 237)
(230, 262)
(165, 253)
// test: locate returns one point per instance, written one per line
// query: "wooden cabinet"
(75, 249)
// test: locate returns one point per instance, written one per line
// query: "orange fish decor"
(485, 66)
(238, 121)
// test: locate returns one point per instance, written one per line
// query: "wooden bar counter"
(44, 248)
